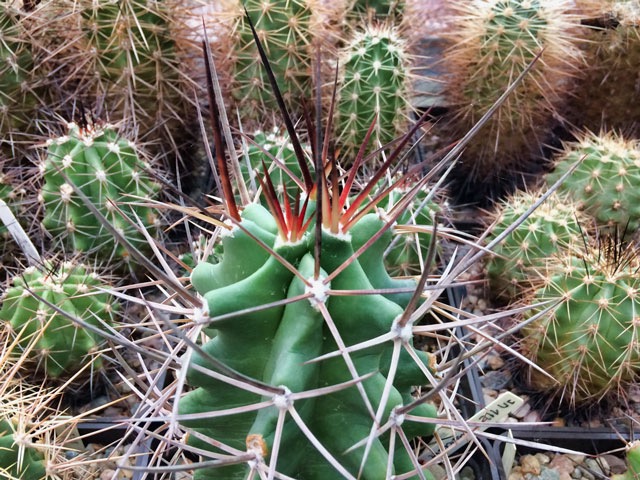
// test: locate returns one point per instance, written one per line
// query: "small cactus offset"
(555, 225)
(586, 334)
(493, 42)
(54, 343)
(107, 169)
(606, 183)
(373, 87)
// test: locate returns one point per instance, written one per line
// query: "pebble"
(544, 459)
(548, 474)
(616, 464)
(530, 464)
(598, 466)
(495, 362)
(107, 474)
(563, 464)
(496, 379)
(522, 411)
(532, 416)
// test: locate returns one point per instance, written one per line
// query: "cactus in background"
(604, 183)
(16, 459)
(586, 335)
(555, 225)
(285, 30)
(276, 151)
(19, 83)
(107, 169)
(633, 460)
(607, 95)
(52, 342)
(373, 86)
(379, 8)
(493, 42)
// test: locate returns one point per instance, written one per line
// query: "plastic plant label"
(496, 411)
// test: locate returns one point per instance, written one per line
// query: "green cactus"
(284, 28)
(52, 342)
(373, 86)
(273, 335)
(493, 42)
(555, 225)
(379, 8)
(275, 150)
(633, 460)
(107, 169)
(16, 459)
(586, 335)
(604, 183)
(19, 82)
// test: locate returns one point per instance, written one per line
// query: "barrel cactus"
(492, 43)
(373, 87)
(585, 336)
(108, 170)
(37, 308)
(519, 257)
(606, 181)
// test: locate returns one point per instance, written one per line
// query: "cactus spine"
(586, 336)
(107, 169)
(54, 343)
(375, 73)
(493, 42)
(606, 182)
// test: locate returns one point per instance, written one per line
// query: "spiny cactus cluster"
(373, 88)
(585, 336)
(493, 42)
(605, 182)
(37, 308)
(522, 255)
(106, 169)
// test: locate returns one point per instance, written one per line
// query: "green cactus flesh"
(283, 27)
(633, 461)
(493, 43)
(275, 333)
(373, 87)
(107, 169)
(18, 89)
(17, 460)
(586, 335)
(555, 225)
(606, 182)
(56, 344)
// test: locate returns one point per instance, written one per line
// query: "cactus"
(606, 95)
(107, 169)
(604, 183)
(50, 340)
(378, 8)
(268, 322)
(493, 42)
(555, 225)
(373, 86)
(633, 460)
(586, 335)
(285, 30)
(19, 81)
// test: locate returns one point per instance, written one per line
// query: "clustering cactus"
(373, 87)
(494, 41)
(54, 343)
(268, 322)
(586, 335)
(108, 170)
(606, 182)
(518, 259)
